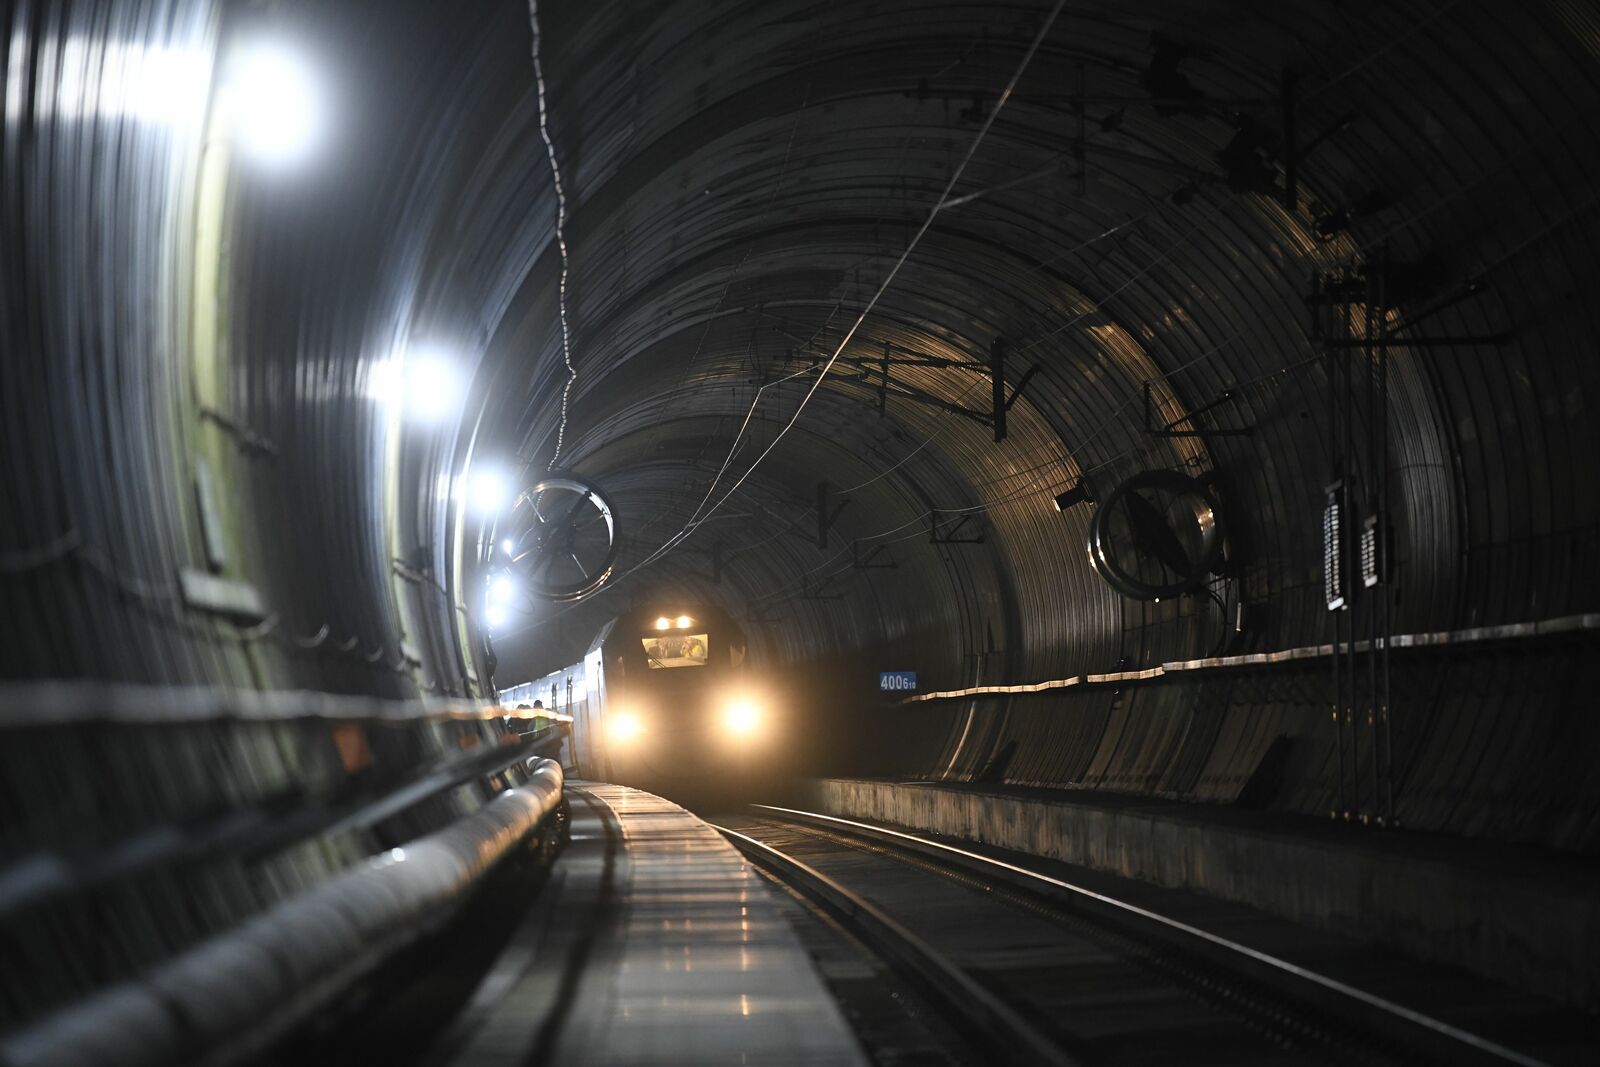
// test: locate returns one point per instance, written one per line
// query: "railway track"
(1032, 969)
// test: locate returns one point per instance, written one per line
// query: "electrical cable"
(1398, 39)
(883, 286)
(561, 233)
(20, 562)
(1029, 490)
(884, 537)
(1098, 305)
(695, 520)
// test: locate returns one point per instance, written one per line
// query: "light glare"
(496, 614)
(425, 387)
(502, 589)
(624, 726)
(742, 718)
(431, 387)
(684, 622)
(488, 493)
(663, 623)
(274, 104)
(165, 86)
(386, 382)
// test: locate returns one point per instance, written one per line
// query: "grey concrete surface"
(1521, 915)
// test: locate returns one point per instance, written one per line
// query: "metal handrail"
(62, 703)
(50, 873)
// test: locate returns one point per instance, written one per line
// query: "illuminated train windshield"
(677, 650)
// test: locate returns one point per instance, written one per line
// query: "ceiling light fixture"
(274, 105)
(488, 493)
(1078, 494)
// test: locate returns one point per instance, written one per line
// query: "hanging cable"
(561, 233)
(883, 286)
(1095, 307)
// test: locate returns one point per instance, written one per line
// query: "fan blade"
(1154, 537)
(573, 510)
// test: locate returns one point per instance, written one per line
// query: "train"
(664, 700)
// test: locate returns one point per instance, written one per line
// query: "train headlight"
(742, 718)
(624, 726)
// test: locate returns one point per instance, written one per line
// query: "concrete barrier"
(1509, 913)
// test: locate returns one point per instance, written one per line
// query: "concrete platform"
(1523, 916)
(654, 942)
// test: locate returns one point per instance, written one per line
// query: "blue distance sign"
(897, 681)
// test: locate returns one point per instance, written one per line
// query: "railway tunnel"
(1146, 448)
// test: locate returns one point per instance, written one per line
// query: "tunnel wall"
(1261, 739)
(188, 342)
(742, 178)
(194, 339)
(743, 181)
(128, 843)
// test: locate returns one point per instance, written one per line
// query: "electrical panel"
(1333, 587)
(1373, 552)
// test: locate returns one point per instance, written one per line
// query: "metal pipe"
(231, 996)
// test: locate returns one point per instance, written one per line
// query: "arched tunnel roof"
(1138, 226)
(740, 181)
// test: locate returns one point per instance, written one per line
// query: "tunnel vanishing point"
(1154, 441)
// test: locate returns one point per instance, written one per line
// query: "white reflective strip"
(1513, 631)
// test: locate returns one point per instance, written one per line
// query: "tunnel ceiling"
(741, 178)
(194, 344)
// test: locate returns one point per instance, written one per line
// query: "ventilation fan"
(561, 536)
(1158, 534)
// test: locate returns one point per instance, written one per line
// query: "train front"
(682, 714)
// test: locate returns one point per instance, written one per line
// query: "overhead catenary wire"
(927, 222)
(1080, 246)
(1119, 410)
(805, 344)
(886, 537)
(694, 522)
(1096, 306)
(1103, 424)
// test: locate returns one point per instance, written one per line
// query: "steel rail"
(982, 1016)
(1414, 1029)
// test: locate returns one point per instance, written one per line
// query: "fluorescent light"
(426, 387)
(274, 105)
(508, 547)
(386, 382)
(502, 590)
(167, 86)
(433, 387)
(496, 614)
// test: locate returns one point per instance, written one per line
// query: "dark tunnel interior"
(1129, 372)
